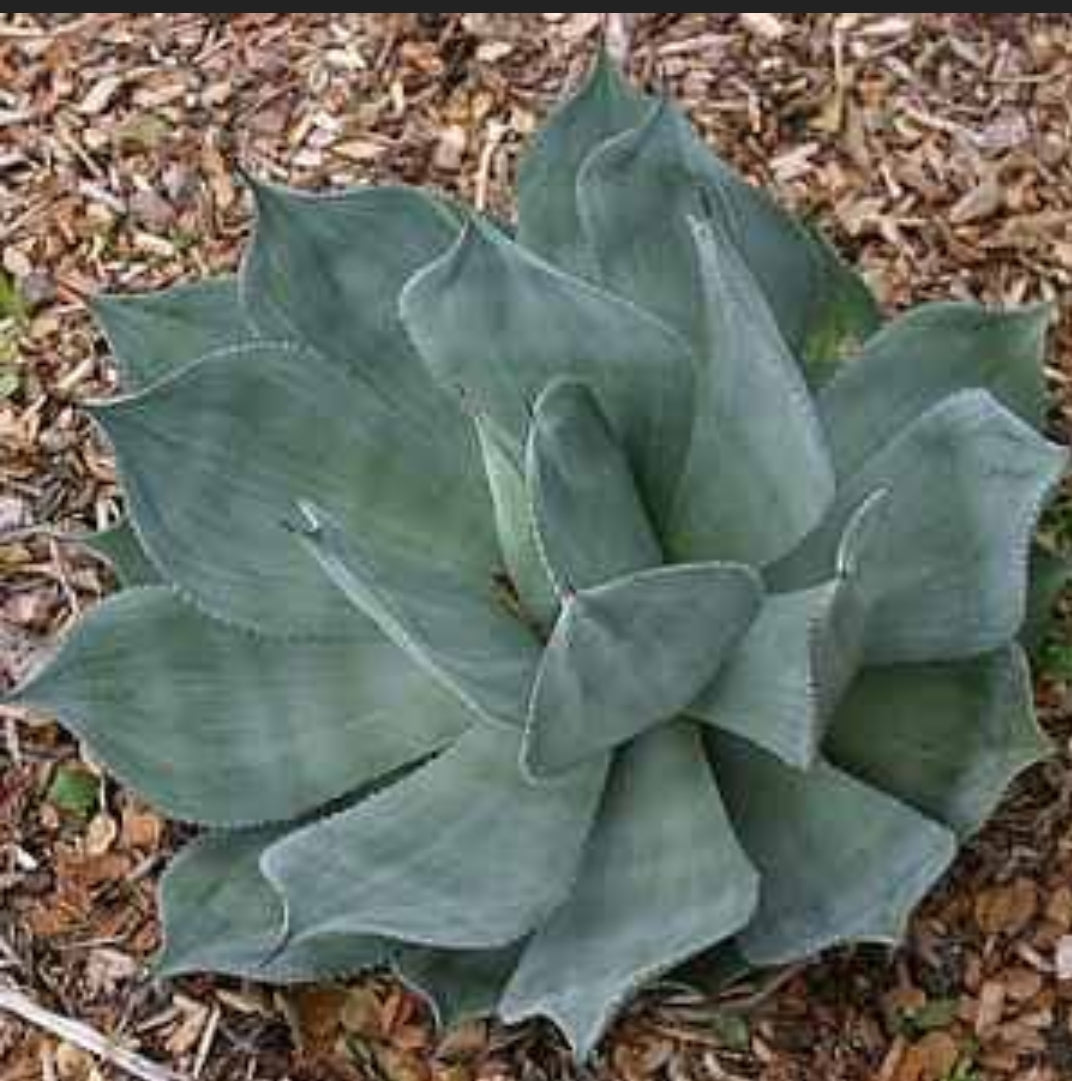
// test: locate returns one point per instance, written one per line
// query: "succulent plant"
(535, 613)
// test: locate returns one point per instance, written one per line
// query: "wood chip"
(764, 24)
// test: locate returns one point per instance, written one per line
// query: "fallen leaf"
(991, 1008)
(101, 95)
(1007, 909)
(982, 202)
(106, 970)
(450, 149)
(1063, 960)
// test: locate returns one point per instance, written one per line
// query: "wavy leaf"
(120, 548)
(629, 654)
(216, 459)
(459, 985)
(516, 526)
(153, 335)
(663, 877)
(591, 524)
(463, 853)
(838, 861)
(947, 739)
(925, 356)
(758, 478)
(216, 725)
(220, 914)
(1050, 574)
(780, 686)
(947, 577)
(327, 270)
(550, 223)
(459, 632)
(497, 325)
(637, 194)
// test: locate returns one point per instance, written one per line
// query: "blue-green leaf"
(152, 335)
(459, 985)
(216, 458)
(119, 546)
(220, 914)
(550, 223)
(947, 577)
(947, 739)
(516, 526)
(463, 853)
(780, 686)
(924, 356)
(1050, 574)
(496, 324)
(216, 725)
(590, 521)
(758, 478)
(663, 878)
(838, 861)
(636, 195)
(458, 631)
(328, 269)
(629, 654)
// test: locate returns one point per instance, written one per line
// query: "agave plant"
(536, 612)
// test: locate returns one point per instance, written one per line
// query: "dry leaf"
(101, 835)
(106, 970)
(1063, 960)
(101, 95)
(450, 150)
(982, 202)
(1007, 909)
(73, 1064)
(991, 1007)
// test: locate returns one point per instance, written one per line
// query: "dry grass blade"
(83, 1037)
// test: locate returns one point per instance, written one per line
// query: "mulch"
(933, 148)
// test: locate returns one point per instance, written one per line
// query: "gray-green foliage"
(538, 615)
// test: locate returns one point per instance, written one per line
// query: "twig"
(208, 1038)
(770, 988)
(496, 133)
(82, 1036)
(618, 35)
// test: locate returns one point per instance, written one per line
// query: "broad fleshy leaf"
(496, 325)
(631, 653)
(838, 861)
(549, 219)
(947, 577)
(216, 459)
(219, 726)
(591, 523)
(663, 877)
(328, 269)
(636, 195)
(220, 914)
(947, 739)
(120, 548)
(925, 356)
(459, 985)
(464, 853)
(781, 684)
(758, 478)
(153, 335)
(516, 525)
(461, 633)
